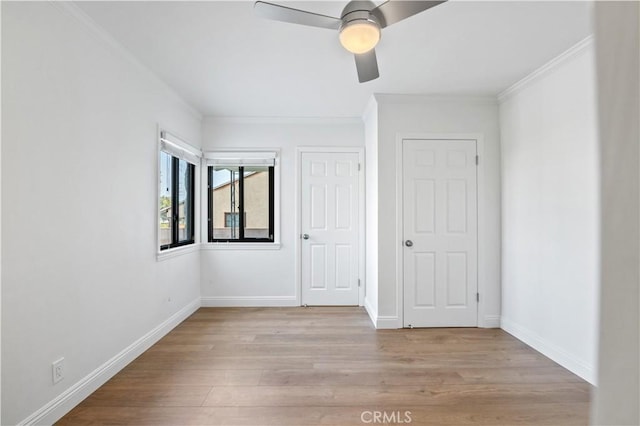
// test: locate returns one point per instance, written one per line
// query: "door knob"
(408, 243)
(305, 236)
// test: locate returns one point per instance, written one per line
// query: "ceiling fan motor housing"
(358, 10)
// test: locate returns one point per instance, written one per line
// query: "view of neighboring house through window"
(176, 203)
(241, 203)
(166, 200)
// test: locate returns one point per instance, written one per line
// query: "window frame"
(175, 205)
(241, 212)
(178, 150)
(224, 156)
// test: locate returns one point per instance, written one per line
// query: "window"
(241, 199)
(231, 219)
(177, 195)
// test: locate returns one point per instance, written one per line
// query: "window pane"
(165, 199)
(185, 201)
(226, 202)
(231, 220)
(256, 202)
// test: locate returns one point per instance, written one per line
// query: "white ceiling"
(225, 61)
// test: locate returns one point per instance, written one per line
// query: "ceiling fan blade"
(295, 16)
(394, 11)
(367, 66)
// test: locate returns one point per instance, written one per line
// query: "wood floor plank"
(206, 338)
(512, 415)
(329, 366)
(223, 363)
(340, 396)
(148, 396)
(180, 348)
(151, 378)
(360, 377)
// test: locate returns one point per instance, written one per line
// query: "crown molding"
(545, 69)
(389, 98)
(283, 120)
(72, 9)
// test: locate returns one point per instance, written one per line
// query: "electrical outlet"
(57, 369)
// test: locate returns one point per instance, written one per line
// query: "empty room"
(320, 212)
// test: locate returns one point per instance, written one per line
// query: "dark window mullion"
(271, 203)
(241, 204)
(174, 201)
(191, 202)
(210, 199)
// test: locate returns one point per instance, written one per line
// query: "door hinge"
(477, 297)
(358, 166)
(358, 282)
(477, 160)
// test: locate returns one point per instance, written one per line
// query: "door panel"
(440, 219)
(343, 206)
(318, 205)
(329, 217)
(343, 264)
(457, 280)
(318, 263)
(457, 206)
(425, 206)
(424, 265)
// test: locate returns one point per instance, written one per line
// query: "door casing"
(361, 212)
(441, 244)
(399, 251)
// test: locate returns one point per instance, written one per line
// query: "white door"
(329, 228)
(440, 230)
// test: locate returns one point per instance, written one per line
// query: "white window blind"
(179, 149)
(241, 158)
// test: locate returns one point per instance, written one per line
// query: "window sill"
(241, 246)
(177, 251)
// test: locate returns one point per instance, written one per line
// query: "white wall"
(0, 226)
(249, 277)
(80, 278)
(617, 29)
(550, 214)
(370, 118)
(421, 115)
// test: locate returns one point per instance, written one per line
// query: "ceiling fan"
(359, 25)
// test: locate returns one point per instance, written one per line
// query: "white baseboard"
(557, 354)
(379, 321)
(248, 301)
(63, 403)
(490, 321)
(373, 313)
(388, 322)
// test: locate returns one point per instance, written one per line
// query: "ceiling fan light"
(359, 36)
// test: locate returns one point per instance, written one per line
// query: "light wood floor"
(308, 366)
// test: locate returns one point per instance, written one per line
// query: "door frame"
(361, 215)
(480, 194)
